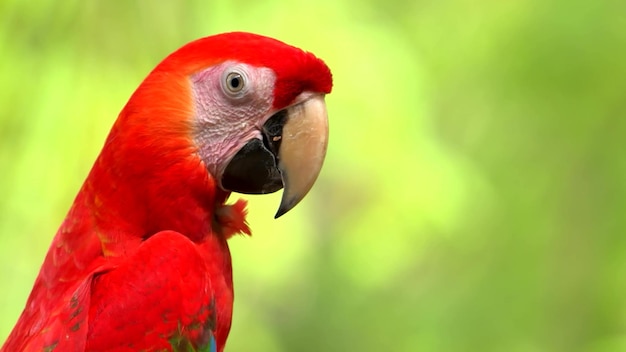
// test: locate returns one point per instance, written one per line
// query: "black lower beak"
(254, 169)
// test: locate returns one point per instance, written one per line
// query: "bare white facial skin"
(232, 101)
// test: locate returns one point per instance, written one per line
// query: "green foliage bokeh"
(474, 191)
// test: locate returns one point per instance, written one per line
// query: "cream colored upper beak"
(302, 151)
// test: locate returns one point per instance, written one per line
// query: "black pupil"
(235, 81)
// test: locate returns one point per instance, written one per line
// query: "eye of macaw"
(234, 83)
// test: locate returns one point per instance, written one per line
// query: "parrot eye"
(234, 83)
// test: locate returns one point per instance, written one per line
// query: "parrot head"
(261, 121)
(234, 112)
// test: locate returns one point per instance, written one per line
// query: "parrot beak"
(302, 151)
(290, 155)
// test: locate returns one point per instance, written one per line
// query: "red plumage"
(141, 260)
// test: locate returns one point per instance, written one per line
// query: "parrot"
(141, 261)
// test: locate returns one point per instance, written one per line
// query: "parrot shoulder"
(163, 296)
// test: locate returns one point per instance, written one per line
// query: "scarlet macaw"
(141, 261)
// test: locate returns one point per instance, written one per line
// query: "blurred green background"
(474, 193)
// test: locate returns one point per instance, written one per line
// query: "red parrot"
(141, 262)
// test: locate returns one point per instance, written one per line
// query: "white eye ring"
(234, 83)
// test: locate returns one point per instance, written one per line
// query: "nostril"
(273, 131)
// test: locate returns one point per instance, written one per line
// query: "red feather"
(141, 257)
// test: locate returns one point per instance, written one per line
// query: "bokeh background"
(474, 193)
